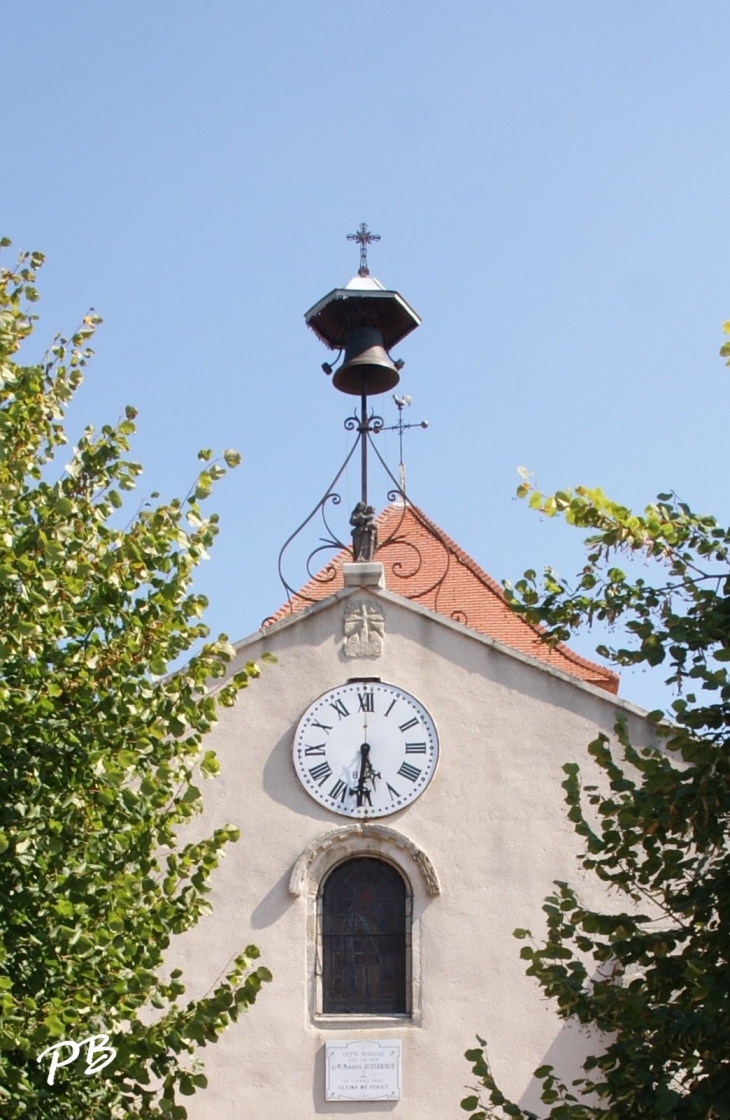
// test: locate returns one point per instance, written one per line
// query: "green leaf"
(666, 1100)
(210, 764)
(54, 1025)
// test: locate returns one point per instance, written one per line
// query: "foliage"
(725, 348)
(652, 977)
(98, 752)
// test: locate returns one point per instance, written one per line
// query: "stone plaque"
(363, 1071)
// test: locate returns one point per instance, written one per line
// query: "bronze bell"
(367, 369)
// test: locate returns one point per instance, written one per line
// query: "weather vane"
(400, 428)
(364, 238)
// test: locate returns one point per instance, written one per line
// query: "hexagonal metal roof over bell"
(363, 302)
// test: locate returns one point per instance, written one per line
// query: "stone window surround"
(306, 880)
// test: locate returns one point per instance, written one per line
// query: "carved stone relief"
(364, 626)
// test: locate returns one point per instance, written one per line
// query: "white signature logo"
(97, 1044)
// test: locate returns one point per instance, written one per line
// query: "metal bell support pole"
(364, 444)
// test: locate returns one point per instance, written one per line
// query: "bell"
(367, 370)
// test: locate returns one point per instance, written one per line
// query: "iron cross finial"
(364, 238)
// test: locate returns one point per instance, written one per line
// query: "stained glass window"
(364, 933)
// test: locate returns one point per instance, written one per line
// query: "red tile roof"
(423, 564)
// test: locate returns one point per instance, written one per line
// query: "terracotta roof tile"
(423, 564)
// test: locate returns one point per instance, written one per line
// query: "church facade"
(396, 779)
(383, 885)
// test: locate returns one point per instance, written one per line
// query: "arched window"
(354, 846)
(364, 939)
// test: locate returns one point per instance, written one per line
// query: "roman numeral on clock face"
(319, 749)
(408, 771)
(415, 748)
(408, 724)
(339, 790)
(367, 701)
(339, 707)
(321, 772)
(322, 726)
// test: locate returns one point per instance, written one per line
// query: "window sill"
(364, 1022)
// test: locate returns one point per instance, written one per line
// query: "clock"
(365, 749)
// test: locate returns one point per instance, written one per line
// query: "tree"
(653, 978)
(99, 751)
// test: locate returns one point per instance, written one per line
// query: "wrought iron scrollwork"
(331, 542)
(408, 560)
(375, 423)
(399, 568)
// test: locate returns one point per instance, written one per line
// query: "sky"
(550, 184)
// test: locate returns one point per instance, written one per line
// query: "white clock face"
(365, 749)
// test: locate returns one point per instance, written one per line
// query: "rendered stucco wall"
(491, 822)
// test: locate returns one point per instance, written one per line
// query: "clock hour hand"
(367, 774)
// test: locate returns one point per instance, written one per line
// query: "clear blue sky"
(551, 186)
